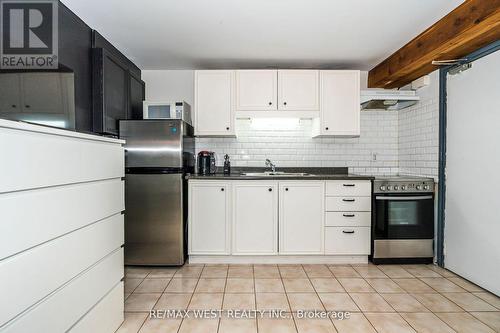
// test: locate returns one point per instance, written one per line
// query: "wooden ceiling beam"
(470, 26)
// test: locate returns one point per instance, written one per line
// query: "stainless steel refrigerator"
(158, 154)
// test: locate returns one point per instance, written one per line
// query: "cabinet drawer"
(348, 187)
(347, 240)
(348, 219)
(349, 204)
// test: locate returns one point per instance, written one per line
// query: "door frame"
(443, 72)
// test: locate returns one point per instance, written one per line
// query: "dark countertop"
(312, 174)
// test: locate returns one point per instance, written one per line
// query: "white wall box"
(69, 185)
(209, 217)
(339, 104)
(301, 217)
(256, 90)
(255, 217)
(214, 103)
(298, 90)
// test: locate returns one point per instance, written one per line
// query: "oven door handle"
(420, 197)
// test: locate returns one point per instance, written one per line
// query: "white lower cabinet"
(242, 220)
(255, 217)
(347, 240)
(301, 217)
(209, 211)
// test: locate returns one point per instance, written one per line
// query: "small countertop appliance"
(206, 162)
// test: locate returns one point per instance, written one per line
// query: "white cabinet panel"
(214, 102)
(54, 263)
(53, 211)
(339, 103)
(348, 188)
(301, 217)
(106, 316)
(347, 240)
(209, 218)
(298, 90)
(256, 90)
(348, 204)
(42, 159)
(61, 310)
(255, 218)
(348, 219)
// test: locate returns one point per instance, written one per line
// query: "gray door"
(154, 219)
(152, 143)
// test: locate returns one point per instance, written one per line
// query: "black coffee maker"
(206, 162)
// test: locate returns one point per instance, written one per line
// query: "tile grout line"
(192, 295)
(287, 299)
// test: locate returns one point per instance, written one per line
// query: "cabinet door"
(255, 218)
(42, 93)
(301, 218)
(256, 90)
(208, 218)
(10, 94)
(214, 102)
(110, 91)
(339, 103)
(298, 90)
(137, 87)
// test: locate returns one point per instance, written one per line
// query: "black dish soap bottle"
(227, 165)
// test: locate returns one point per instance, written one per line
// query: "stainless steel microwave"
(167, 110)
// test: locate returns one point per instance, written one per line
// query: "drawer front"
(348, 188)
(348, 219)
(347, 240)
(348, 204)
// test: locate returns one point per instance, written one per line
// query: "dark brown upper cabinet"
(118, 90)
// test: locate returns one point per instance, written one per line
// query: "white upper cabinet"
(256, 90)
(301, 220)
(298, 90)
(339, 104)
(214, 103)
(255, 217)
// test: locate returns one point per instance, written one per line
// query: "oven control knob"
(389, 187)
(382, 188)
(418, 187)
(403, 187)
(396, 187)
(426, 187)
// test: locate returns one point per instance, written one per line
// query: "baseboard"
(281, 259)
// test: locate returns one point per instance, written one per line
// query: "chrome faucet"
(271, 164)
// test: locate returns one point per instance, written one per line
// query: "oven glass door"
(404, 216)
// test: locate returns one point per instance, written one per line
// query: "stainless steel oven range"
(403, 222)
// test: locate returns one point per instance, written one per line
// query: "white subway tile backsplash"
(292, 145)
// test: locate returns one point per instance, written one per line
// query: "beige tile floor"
(384, 298)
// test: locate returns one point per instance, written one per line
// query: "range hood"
(384, 99)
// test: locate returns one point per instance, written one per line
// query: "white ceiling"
(184, 34)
